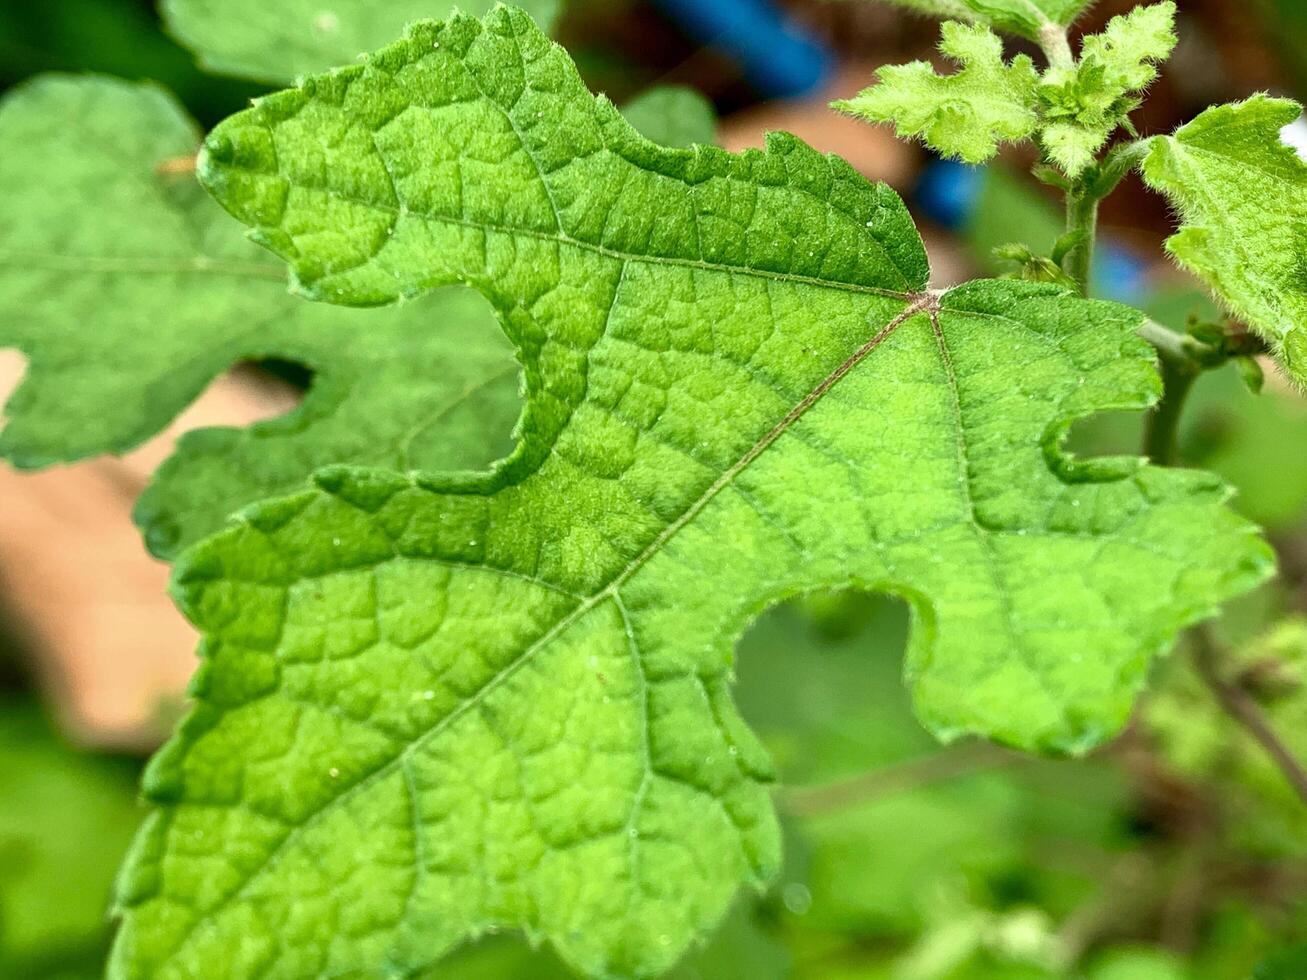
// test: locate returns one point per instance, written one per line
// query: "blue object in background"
(1120, 275)
(948, 192)
(778, 60)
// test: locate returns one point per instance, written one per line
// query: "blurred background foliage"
(1176, 853)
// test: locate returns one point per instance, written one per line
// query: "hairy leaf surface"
(966, 114)
(126, 318)
(432, 707)
(1242, 197)
(278, 41)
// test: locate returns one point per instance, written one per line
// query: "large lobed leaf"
(278, 41)
(432, 707)
(125, 319)
(1242, 197)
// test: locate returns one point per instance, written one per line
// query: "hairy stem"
(1057, 49)
(1081, 220)
(1241, 706)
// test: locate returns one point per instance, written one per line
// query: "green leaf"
(1139, 963)
(280, 41)
(964, 115)
(1132, 45)
(431, 707)
(1242, 197)
(66, 822)
(1028, 17)
(1025, 17)
(673, 115)
(125, 319)
(1083, 104)
(1289, 963)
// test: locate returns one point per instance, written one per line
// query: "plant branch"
(1241, 706)
(888, 780)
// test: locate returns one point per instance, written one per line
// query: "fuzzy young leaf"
(673, 115)
(126, 318)
(1131, 46)
(428, 708)
(1221, 171)
(1083, 104)
(963, 115)
(282, 40)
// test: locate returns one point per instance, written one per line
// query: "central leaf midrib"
(920, 303)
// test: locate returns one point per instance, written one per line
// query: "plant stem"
(1240, 706)
(1081, 219)
(1057, 49)
(1163, 426)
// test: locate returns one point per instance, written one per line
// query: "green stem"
(1082, 220)
(1161, 432)
(1082, 202)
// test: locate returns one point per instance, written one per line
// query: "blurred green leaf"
(907, 846)
(1285, 964)
(117, 37)
(65, 822)
(1138, 963)
(126, 318)
(673, 115)
(278, 42)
